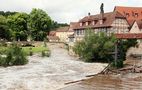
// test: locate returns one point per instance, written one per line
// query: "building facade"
(112, 22)
(124, 22)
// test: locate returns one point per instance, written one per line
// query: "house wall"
(135, 28)
(120, 26)
(63, 36)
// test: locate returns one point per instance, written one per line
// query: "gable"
(135, 28)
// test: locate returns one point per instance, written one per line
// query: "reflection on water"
(106, 82)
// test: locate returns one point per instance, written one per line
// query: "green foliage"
(95, 47)
(45, 53)
(40, 24)
(18, 26)
(119, 64)
(14, 56)
(32, 50)
(7, 13)
(23, 26)
(123, 46)
(100, 47)
(4, 30)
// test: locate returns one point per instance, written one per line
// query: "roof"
(53, 37)
(131, 13)
(73, 25)
(108, 19)
(52, 33)
(71, 36)
(139, 22)
(62, 29)
(129, 36)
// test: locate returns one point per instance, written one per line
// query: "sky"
(66, 11)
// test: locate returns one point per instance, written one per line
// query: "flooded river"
(47, 73)
(106, 82)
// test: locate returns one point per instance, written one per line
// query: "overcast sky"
(65, 11)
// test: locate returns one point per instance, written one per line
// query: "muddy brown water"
(109, 82)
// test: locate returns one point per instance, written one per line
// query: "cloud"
(65, 10)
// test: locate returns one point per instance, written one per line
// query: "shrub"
(45, 53)
(3, 43)
(95, 47)
(2, 60)
(14, 56)
(30, 52)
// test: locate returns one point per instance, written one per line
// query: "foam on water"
(47, 73)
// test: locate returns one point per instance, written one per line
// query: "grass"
(34, 49)
(26, 49)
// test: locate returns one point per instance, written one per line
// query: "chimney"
(89, 14)
(101, 13)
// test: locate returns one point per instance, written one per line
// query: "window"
(80, 23)
(136, 14)
(71, 39)
(93, 22)
(86, 23)
(127, 15)
(77, 32)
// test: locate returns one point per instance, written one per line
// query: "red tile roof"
(52, 33)
(129, 36)
(107, 20)
(131, 13)
(139, 22)
(62, 29)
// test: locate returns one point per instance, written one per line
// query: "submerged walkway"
(47, 73)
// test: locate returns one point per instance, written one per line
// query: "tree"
(95, 47)
(40, 24)
(18, 26)
(4, 32)
(124, 45)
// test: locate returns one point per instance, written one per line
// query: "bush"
(14, 56)
(3, 44)
(95, 47)
(30, 52)
(1, 60)
(45, 53)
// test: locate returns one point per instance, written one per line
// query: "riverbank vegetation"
(101, 48)
(14, 56)
(26, 49)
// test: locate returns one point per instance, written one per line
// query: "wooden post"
(116, 52)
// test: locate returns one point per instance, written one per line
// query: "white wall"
(135, 28)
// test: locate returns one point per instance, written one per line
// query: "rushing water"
(47, 73)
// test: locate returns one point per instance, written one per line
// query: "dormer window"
(133, 14)
(127, 15)
(89, 22)
(136, 14)
(93, 22)
(80, 23)
(86, 23)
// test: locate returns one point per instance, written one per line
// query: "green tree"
(4, 30)
(95, 47)
(18, 26)
(40, 24)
